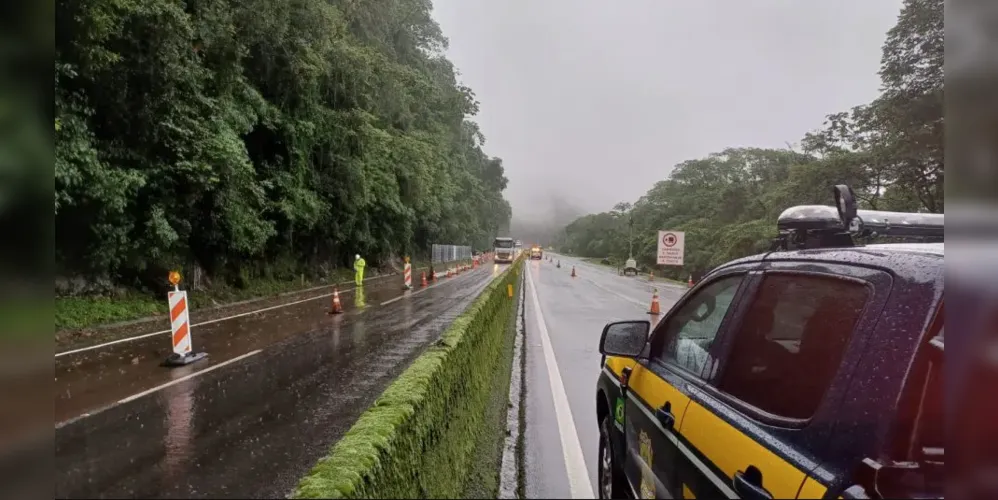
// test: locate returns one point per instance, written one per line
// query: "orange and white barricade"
(407, 274)
(180, 326)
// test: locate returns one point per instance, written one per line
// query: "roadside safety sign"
(671, 245)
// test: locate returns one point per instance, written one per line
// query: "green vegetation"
(890, 151)
(483, 476)
(83, 312)
(263, 138)
(419, 438)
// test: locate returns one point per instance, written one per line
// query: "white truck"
(505, 250)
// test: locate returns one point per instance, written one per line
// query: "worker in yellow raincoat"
(358, 267)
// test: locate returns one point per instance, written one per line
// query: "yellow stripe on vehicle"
(616, 364)
(812, 489)
(731, 451)
(655, 392)
(687, 493)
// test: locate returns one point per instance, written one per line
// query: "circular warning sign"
(669, 240)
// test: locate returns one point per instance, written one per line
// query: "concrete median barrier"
(418, 440)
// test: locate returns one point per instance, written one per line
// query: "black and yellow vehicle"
(810, 371)
(536, 253)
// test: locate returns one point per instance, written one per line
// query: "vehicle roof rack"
(821, 226)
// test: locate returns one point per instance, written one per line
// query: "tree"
(261, 137)
(890, 151)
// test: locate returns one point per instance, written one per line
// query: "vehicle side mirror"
(624, 338)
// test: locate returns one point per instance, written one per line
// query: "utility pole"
(630, 234)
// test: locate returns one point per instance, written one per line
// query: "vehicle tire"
(609, 476)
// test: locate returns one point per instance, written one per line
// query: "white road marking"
(625, 297)
(218, 320)
(187, 377)
(575, 463)
(154, 389)
(404, 295)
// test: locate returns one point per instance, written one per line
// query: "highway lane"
(563, 327)
(253, 427)
(92, 379)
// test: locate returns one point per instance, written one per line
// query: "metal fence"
(449, 253)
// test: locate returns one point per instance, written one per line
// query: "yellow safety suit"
(358, 267)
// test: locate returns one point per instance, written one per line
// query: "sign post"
(671, 247)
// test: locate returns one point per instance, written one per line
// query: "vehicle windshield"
(504, 244)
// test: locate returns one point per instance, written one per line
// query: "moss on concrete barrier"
(417, 440)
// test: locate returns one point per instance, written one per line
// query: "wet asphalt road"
(573, 312)
(251, 428)
(90, 380)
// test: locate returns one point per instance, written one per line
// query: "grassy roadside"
(418, 440)
(483, 478)
(73, 313)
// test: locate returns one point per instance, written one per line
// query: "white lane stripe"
(162, 332)
(575, 463)
(410, 294)
(404, 295)
(146, 335)
(625, 297)
(187, 377)
(154, 389)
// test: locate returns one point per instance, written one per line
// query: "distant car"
(814, 370)
(631, 266)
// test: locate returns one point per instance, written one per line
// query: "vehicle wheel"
(608, 474)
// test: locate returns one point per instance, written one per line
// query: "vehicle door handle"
(665, 416)
(748, 484)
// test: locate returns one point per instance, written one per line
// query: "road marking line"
(625, 297)
(404, 295)
(218, 320)
(421, 290)
(575, 463)
(186, 377)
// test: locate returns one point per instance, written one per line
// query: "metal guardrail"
(449, 253)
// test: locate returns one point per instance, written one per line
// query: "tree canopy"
(890, 151)
(255, 134)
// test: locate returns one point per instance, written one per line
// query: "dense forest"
(890, 151)
(261, 137)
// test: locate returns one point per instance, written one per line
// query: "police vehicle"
(811, 371)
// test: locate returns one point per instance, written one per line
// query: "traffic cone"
(651, 275)
(422, 279)
(337, 308)
(573, 271)
(559, 264)
(655, 307)
(689, 284)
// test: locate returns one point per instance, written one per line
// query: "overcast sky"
(594, 101)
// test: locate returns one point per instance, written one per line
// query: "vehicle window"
(790, 344)
(690, 331)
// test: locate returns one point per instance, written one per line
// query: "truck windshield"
(504, 243)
